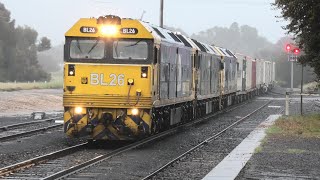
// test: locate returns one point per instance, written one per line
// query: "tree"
(304, 23)
(18, 51)
(243, 39)
(45, 44)
(52, 59)
(7, 41)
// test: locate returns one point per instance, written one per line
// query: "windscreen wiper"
(95, 44)
(78, 45)
(116, 49)
(134, 43)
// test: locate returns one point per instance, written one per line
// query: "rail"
(5, 128)
(15, 126)
(38, 160)
(206, 141)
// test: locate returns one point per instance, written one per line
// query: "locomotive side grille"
(105, 101)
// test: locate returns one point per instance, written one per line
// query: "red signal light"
(288, 47)
(296, 51)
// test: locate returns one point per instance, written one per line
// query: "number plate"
(90, 30)
(105, 80)
(129, 31)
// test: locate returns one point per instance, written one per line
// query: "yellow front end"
(107, 79)
(107, 101)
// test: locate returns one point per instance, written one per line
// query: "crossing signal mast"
(296, 51)
(293, 53)
(294, 57)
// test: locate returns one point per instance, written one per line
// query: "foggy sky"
(53, 18)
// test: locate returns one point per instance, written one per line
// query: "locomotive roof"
(165, 35)
(89, 27)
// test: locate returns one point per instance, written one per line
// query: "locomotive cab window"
(87, 49)
(130, 49)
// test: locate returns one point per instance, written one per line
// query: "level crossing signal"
(296, 51)
(293, 52)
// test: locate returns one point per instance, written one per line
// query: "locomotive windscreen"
(132, 49)
(87, 49)
(113, 51)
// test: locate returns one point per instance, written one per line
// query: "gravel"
(277, 162)
(24, 102)
(50, 167)
(21, 149)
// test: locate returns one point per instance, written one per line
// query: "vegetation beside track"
(55, 83)
(302, 126)
(307, 126)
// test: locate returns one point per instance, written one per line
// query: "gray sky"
(53, 18)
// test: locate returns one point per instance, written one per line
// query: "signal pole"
(161, 13)
(288, 48)
(291, 75)
(301, 100)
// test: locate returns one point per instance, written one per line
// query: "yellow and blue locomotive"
(125, 79)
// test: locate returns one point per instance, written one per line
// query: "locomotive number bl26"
(112, 80)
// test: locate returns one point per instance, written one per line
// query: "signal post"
(293, 53)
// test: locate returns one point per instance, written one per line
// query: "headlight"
(134, 112)
(78, 110)
(71, 70)
(109, 30)
(144, 72)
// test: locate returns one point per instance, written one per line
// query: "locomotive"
(125, 79)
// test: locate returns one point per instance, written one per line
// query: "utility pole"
(301, 100)
(161, 13)
(291, 76)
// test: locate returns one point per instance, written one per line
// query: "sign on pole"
(293, 58)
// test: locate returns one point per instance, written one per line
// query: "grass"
(304, 126)
(296, 151)
(274, 130)
(297, 126)
(55, 83)
(258, 149)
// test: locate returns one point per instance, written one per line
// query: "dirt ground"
(24, 102)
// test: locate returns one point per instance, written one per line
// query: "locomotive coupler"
(89, 128)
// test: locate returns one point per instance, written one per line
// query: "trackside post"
(287, 104)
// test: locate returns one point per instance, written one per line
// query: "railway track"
(203, 143)
(63, 163)
(28, 128)
(39, 160)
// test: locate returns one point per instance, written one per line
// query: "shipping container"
(253, 75)
(248, 73)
